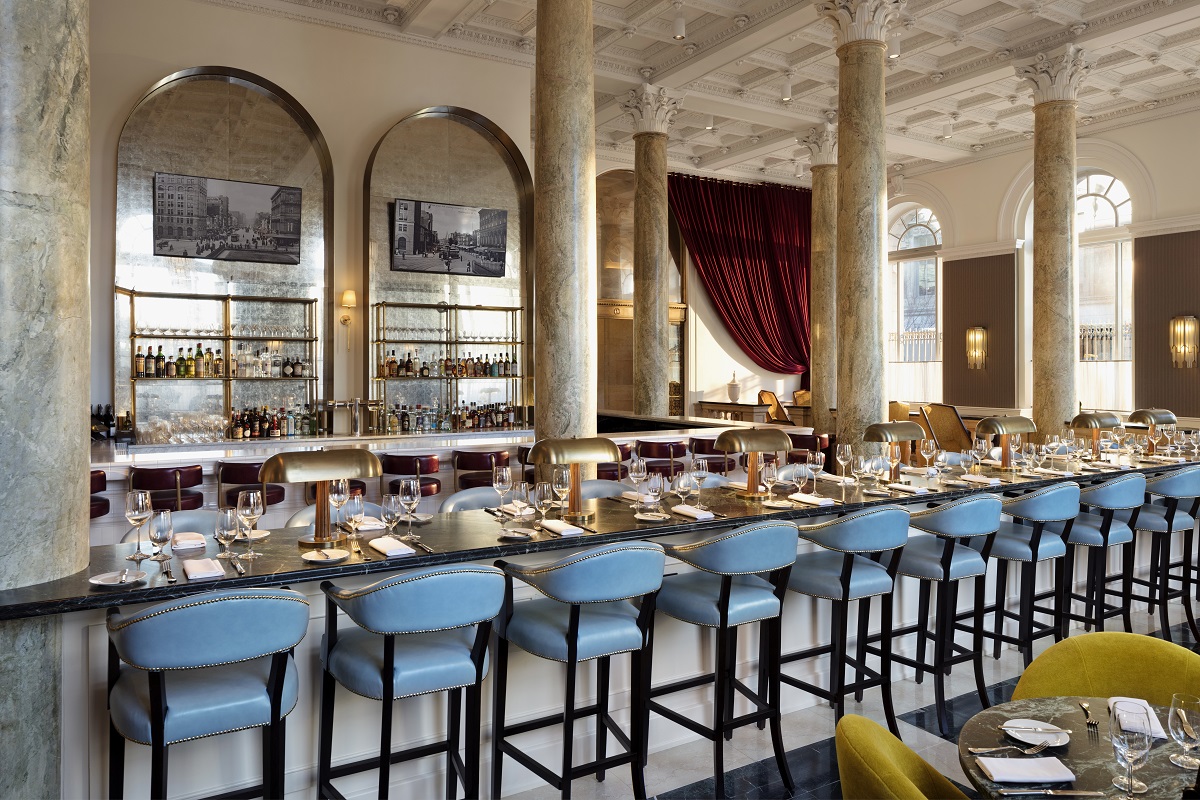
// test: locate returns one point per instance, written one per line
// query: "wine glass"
(770, 476)
(654, 491)
(859, 469)
(410, 498)
(892, 456)
(339, 490)
(700, 473)
(160, 534)
(502, 482)
(1184, 724)
(137, 511)
(1131, 738)
(816, 465)
(941, 465)
(354, 514)
(637, 474)
(1068, 440)
(683, 486)
(928, 449)
(1168, 433)
(979, 452)
(843, 455)
(543, 498)
(390, 510)
(225, 530)
(1119, 434)
(249, 509)
(561, 483)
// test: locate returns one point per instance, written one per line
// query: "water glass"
(700, 473)
(543, 498)
(561, 483)
(160, 534)
(137, 511)
(770, 476)
(502, 481)
(1131, 739)
(225, 530)
(928, 449)
(410, 498)
(637, 474)
(654, 490)
(843, 454)
(249, 509)
(354, 514)
(816, 465)
(390, 510)
(1184, 724)
(339, 490)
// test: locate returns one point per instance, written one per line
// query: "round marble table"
(1089, 754)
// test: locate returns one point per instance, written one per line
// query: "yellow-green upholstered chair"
(1111, 663)
(875, 765)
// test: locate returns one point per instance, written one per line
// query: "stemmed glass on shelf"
(249, 509)
(225, 530)
(1131, 739)
(410, 498)
(137, 511)
(339, 490)
(700, 473)
(637, 474)
(1184, 724)
(160, 534)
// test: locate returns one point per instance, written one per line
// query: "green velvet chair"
(875, 765)
(1110, 663)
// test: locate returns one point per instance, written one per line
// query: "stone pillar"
(1055, 78)
(653, 110)
(862, 27)
(564, 223)
(822, 285)
(45, 325)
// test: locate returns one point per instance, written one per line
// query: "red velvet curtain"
(750, 244)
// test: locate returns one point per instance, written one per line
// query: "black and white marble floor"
(808, 733)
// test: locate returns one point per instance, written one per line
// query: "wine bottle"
(139, 363)
(160, 364)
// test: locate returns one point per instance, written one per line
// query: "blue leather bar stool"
(848, 566)
(937, 557)
(419, 632)
(598, 603)
(1162, 518)
(1097, 529)
(728, 590)
(1028, 541)
(203, 666)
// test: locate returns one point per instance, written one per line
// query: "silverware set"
(1029, 751)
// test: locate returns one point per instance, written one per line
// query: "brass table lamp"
(894, 434)
(753, 441)
(320, 467)
(1004, 427)
(573, 453)
(1152, 418)
(1095, 421)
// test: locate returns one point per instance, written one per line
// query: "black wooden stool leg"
(977, 639)
(1185, 592)
(1128, 552)
(453, 725)
(720, 697)
(499, 692)
(731, 674)
(772, 633)
(837, 659)
(885, 663)
(943, 621)
(325, 733)
(922, 627)
(864, 619)
(1025, 623)
(602, 675)
(568, 729)
(1162, 548)
(158, 771)
(639, 720)
(1001, 596)
(471, 733)
(116, 763)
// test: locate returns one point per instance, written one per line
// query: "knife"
(237, 565)
(1050, 792)
(1035, 730)
(586, 528)
(422, 545)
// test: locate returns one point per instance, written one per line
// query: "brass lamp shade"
(320, 467)
(1153, 416)
(1003, 426)
(1095, 419)
(900, 431)
(574, 452)
(753, 441)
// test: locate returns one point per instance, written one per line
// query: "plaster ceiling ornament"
(861, 20)
(391, 14)
(1055, 76)
(652, 108)
(822, 145)
(689, 48)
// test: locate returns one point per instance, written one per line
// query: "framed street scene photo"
(450, 239)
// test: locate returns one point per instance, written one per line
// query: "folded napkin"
(692, 511)
(928, 472)
(642, 498)
(371, 524)
(904, 487)
(982, 480)
(200, 568)
(1025, 770)
(1156, 728)
(561, 528)
(1167, 459)
(742, 485)
(185, 540)
(846, 479)
(991, 462)
(391, 547)
(1062, 473)
(811, 499)
(517, 509)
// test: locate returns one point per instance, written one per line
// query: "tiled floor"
(750, 766)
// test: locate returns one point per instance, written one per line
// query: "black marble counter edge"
(456, 538)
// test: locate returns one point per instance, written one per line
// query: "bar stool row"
(427, 631)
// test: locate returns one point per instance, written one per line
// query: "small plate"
(330, 556)
(517, 534)
(1035, 737)
(777, 503)
(255, 535)
(111, 580)
(651, 516)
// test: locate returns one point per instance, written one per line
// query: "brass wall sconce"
(1184, 335)
(349, 300)
(976, 348)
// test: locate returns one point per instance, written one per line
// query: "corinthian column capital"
(652, 108)
(861, 20)
(1056, 75)
(822, 145)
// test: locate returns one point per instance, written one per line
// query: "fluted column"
(564, 224)
(652, 109)
(862, 27)
(822, 289)
(45, 326)
(1055, 78)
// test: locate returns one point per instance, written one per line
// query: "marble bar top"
(460, 537)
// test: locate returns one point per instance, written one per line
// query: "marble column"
(1055, 78)
(822, 286)
(652, 109)
(45, 325)
(564, 223)
(862, 27)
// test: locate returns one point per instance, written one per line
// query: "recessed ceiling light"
(680, 23)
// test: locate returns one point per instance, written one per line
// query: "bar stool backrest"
(977, 515)
(1056, 503)
(748, 550)
(1181, 483)
(610, 572)
(238, 471)
(99, 481)
(429, 599)
(161, 478)
(475, 460)
(671, 450)
(222, 627)
(1126, 491)
(410, 465)
(871, 530)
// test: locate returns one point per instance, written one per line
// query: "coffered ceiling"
(954, 66)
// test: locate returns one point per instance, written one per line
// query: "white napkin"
(904, 487)
(846, 479)
(561, 528)
(991, 462)
(185, 540)
(742, 485)
(643, 498)
(982, 480)
(928, 472)
(1062, 473)
(198, 568)
(391, 547)
(1025, 770)
(1156, 728)
(811, 499)
(1167, 459)
(371, 524)
(517, 510)
(692, 511)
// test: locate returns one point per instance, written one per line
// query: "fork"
(1091, 721)
(1029, 751)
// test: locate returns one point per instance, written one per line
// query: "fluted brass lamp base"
(313, 543)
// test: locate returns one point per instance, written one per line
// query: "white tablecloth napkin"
(561, 528)
(982, 480)
(904, 487)
(1025, 770)
(1156, 728)
(200, 568)
(991, 462)
(811, 499)
(846, 479)
(692, 511)
(1166, 459)
(644, 498)
(371, 524)
(1062, 473)
(391, 547)
(186, 540)
(517, 510)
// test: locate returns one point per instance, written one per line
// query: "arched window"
(1103, 210)
(911, 290)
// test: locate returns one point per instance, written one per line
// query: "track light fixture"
(710, 124)
(948, 130)
(786, 94)
(893, 50)
(680, 23)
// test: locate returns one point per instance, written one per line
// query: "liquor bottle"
(255, 425)
(393, 366)
(405, 420)
(419, 420)
(218, 365)
(314, 422)
(160, 364)
(210, 367)
(170, 370)
(190, 364)
(382, 368)
(425, 369)
(276, 364)
(139, 363)
(506, 367)
(512, 368)
(235, 362)
(393, 419)
(302, 424)
(290, 429)
(200, 365)
(287, 370)
(235, 426)
(409, 371)
(512, 417)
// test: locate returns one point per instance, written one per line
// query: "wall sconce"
(349, 300)
(1183, 342)
(976, 348)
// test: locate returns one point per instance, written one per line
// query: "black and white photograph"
(198, 217)
(450, 239)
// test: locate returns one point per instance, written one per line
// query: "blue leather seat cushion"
(200, 702)
(539, 626)
(819, 575)
(1085, 530)
(425, 662)
(1013, 542)
(692, 597)
(1153, 517)
(922, 558)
